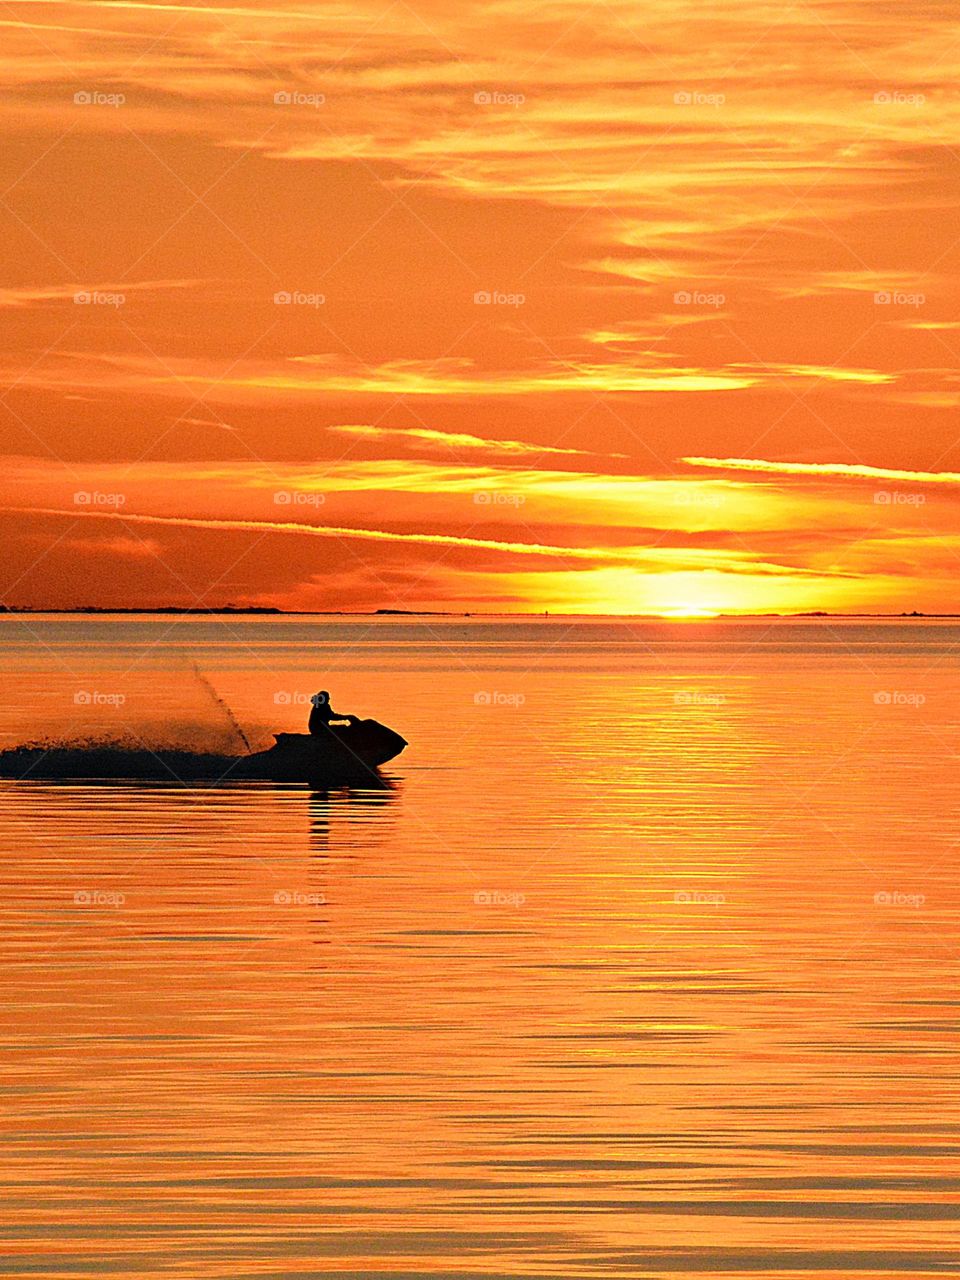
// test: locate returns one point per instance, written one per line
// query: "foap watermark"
(95, 698)
(97, 98)
(494, 698)
(898, 698)
(94, 498)
(298, 498)
(896, 898)
(498, 98)
(298, 898)
(698, 698)
(98, 298)
(896, 498)
(899, 98)
(98, 898)
(294, 698)
(297, 98)
(697, 497)
(899, 298)
(499, 898)
(298, 298)
(496, 298)
(497, 498)
(699, 898)
(698, 298)
(697, 98)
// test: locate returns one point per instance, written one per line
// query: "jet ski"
(339, 752)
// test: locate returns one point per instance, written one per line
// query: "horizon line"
(277, 611)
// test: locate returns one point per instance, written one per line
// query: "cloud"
(618, 119)
(447, 493)
(328, 374)
(651, 558)
(837, 470)
(312, 376)
(331, 531)
(461, 440)
(868, 283)
(25, 296)
(822, 373)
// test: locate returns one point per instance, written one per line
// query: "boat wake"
(341, 751)
(115, 759)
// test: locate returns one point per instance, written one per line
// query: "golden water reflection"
(651, 973)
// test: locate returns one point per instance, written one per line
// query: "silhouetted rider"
(323, 713)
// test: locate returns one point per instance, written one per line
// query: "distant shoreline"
(236, 611)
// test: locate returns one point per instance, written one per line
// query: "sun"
(688, 611)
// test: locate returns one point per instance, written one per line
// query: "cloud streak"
(42, 295)
(648, 557)
(827, 470)
(462, 440)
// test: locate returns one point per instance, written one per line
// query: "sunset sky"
(626, 308)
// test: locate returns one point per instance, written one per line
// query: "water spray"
(222, 705)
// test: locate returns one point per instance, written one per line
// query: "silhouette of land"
(273, 611)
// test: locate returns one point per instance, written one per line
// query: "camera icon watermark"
(695, 98)
(494, 698)
(498, 98)
(899, 298)
(897, 98)
(296, 698)
(296, 98)
(499, 898)
(698, 298)
(898, 698)
(98, 298)
(298, 898)
(96, 98)
(298, 298)
(298, 498)
(95, 698)
(497, 498)
(699, 898)
(698, 698)
(87, 498)
(698, 497)
(896, 898)
(98, 898)
(497, 298)
(895, 498)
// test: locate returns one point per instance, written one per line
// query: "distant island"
(241, 609)
(170, 608)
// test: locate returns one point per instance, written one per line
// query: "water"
(643, 962)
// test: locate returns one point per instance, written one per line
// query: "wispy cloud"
(310, 376)
(82, 292)
(462, 440)
(821, 373)
(827, 470)
(650, 559)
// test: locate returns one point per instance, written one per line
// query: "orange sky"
(614, 308)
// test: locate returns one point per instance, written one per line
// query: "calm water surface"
(643, 962)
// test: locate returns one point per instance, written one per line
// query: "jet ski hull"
(340, 750)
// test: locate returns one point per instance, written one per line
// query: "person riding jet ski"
(323, 713)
